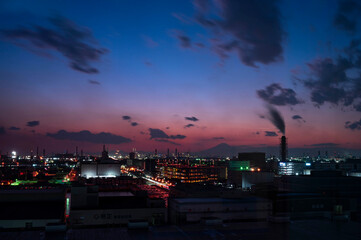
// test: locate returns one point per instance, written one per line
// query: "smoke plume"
(276, 118)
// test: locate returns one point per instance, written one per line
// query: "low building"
(191, 210)
(246, 179)
(291, 168)
(319, 194)
(313, 205)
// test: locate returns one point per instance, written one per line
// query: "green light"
(67, 211)
(22, 182)
(241, 168)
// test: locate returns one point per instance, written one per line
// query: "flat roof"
(115, 194)
(32, 210)
(217, 200)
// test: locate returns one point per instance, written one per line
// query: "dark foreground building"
(89, 207)
(31, 208)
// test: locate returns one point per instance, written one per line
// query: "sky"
(179, 74)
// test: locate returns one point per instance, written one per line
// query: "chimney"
(283, 148)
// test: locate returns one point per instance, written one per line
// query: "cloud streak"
(252, 29)
(330, 82)
(270, 134)
(218, 138)
(193, 119)
(184, 40)
(276, 95)
(32, 123)
(298, 118)
(353, 125)
(324, 145)
(156, 133)
(87, 136)
(94, 82)
(75, 43)
(347, 15)
(167, 141)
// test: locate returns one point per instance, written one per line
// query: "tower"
(104, 154)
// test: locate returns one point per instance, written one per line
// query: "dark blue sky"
(83, 65)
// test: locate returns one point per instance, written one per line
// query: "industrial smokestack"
(283, 148)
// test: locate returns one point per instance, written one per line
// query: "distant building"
(256, 159)
(150, 164)
(249, 169)
(291, 168)
(246, 179)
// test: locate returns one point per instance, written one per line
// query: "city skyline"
(186, 74)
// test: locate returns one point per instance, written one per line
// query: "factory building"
(105, 167)
(194, 174)
(218, 210)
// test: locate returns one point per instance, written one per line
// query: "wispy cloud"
(75, 43)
